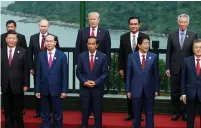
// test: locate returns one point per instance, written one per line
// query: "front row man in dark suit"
(142, 82)
(14, 81)
(92, 70)
(51, 81)
(191, 83)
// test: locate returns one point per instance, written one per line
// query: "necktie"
(43, 42)
(92, 33)
(133, 43)
(143, 62)
(182, 40)
(50, 60)
(198, 67)
(10, 57)
(91, 62)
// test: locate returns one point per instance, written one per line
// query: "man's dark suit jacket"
(34, 49)
(125, 49)
(21, 41)
(103, 38)
(17, 75)
(175, 55)
(190, 82)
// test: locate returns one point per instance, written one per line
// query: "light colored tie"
(133, 43)
(50, 60)
(182, 39)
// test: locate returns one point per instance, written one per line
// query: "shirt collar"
(96, 28)
(197, 57)
(142, 54)
(42, 34)
(136, 34)
(91, 54)
(182, 32)
(53, 51)
(13, 49)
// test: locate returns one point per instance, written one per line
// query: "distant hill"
(159, 17)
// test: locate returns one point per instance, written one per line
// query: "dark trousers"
(149, 110)
(192, 105)
(94, 97)
(56, 103)
(13, 109)
(175, 95)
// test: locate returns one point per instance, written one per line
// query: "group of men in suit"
(48, 65)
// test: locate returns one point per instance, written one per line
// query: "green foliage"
(158, 16)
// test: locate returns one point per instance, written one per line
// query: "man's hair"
(140, 39)
(51, 35)
(10, 22)
(94, 13)
(93, 37)
(11, 32)
(184, 16)
(134, 17)
(197, 41)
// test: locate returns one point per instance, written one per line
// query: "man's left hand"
(63, 95)
(156, 93)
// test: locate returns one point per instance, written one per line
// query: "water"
(67, 37)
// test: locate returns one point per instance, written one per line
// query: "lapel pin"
(96, 58)
(187, 36)
(99, 31)
(149, 58)
(54, 58)
(18, 51)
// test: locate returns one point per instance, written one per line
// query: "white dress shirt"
(140, 54)
(41, 37)
(95, 31)
(131, 38)
(8, 51)
(93, 56)
(53, 53)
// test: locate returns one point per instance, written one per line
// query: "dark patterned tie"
(143, 62)
(198, 67)
(43, 42)
(10, 57)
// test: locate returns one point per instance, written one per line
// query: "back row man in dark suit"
(37, 45)
(21, 41)
(179, 46)
(128, 44)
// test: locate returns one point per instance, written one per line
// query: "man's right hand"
(167, 73)
(32, 72)
(121, 72)
(184, 99)
(38, 95)
(129, 95)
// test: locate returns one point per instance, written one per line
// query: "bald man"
(37, 45)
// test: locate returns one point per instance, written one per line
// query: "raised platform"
(72, 119)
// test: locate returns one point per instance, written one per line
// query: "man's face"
(134, 25)
(91, 44)
(44, 25)
(197, 49)
(10, 26)
(11, 40)
(50, 43)
(93, 20)
(183, 23)
(144, 47)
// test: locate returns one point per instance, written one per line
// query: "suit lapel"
(147, 61)
(138, 60)
(128, 40)
(87, 61)
(98, 33)
(15, 55)
(38, 41)
(177, 40)
(95, 60)
(5, 56)
(46, 59)
(55, 58)
(193, 65)
(186, 39)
